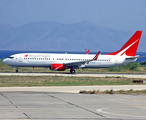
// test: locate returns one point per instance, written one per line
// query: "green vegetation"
(15, 81)
(129, 67)
(131, 91)
(2, 64)
(143, 64)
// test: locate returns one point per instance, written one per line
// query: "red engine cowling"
(58, 67)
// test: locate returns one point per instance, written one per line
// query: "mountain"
(53, 36)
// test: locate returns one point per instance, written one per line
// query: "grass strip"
(22, 81)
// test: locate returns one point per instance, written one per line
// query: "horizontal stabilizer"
(136, 57)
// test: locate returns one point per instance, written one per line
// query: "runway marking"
(101, 110)
(139, 100)
(76, 105)
(15, 106)
(141, 107)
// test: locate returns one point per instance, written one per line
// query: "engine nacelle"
(58, 67)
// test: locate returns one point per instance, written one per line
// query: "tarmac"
(69, 106)
(65, 103)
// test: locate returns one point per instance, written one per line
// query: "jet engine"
(58, 67)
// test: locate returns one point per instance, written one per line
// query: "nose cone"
(5, 61)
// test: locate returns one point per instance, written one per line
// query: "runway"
(67, 106)
(78, 74)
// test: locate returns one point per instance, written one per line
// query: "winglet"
(96, 56)
(87, 51)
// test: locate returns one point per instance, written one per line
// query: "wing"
(80, 63)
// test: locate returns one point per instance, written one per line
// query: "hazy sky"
(129, 15)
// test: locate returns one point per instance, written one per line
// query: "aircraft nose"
(5, 61)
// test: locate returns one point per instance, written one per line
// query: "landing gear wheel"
(72, 71)
(16, 71)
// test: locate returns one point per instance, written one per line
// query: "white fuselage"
(47, 59)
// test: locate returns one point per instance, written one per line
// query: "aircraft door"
(116, 61)
(20, 59)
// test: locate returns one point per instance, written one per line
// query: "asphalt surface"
(55, 103)
(67, 106)
(78, 74)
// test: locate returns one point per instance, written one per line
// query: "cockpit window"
(11, 57)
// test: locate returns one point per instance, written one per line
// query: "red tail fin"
(130, 47)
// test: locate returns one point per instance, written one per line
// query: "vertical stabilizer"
(130, 47)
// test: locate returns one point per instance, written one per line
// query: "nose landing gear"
(15, 68)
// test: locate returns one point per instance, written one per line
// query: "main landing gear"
(72, 71)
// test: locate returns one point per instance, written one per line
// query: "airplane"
(61, 62)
